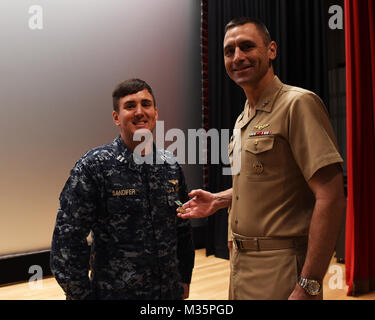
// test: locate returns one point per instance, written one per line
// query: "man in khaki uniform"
(287, 200)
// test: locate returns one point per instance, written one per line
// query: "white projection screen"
(59, 63)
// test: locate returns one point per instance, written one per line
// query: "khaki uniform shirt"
(284, 142)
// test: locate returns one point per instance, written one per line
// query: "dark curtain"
(360, 223)
(300, 28)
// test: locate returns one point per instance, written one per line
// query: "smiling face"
(247, 58)
(136, 113)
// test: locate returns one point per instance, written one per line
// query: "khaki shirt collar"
(266, 100)
(268, 97)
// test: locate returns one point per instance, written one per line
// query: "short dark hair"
(257, 22)
(128, 87)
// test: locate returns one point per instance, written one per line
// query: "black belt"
(261, 244)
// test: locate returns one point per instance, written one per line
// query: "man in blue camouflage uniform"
(140, 249)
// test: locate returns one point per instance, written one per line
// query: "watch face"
(313, 287)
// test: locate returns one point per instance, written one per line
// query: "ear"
(156, 114)
(272, 50)
(115, 116)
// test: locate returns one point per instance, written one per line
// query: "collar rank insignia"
(120, 158)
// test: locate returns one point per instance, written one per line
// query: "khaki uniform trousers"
(260, 272)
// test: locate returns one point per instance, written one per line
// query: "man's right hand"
(201, 205)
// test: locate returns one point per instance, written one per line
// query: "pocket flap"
(259, 144)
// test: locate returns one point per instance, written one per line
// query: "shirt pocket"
(259, 158)
(123, 200)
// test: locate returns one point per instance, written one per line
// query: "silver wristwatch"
(312, 287)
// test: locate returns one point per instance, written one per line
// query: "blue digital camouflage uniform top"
(140, 249)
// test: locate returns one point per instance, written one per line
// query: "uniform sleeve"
(185, 246)
(70, 252)
(311, 135)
